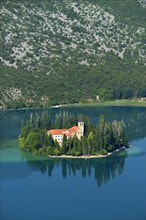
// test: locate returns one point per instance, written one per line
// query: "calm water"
(110, 188)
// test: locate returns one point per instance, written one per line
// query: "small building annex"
(58, 134)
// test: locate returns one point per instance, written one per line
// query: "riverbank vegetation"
(70, 85)
(119, 102)
(98, 139)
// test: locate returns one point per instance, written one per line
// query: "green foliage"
(64, 144)
(62, 79)
(126, 11)
(50, 150)
(37, 139)
(50, 141)
(103, 152)
(110, 148)
(105, 95)
(45, 121)
(100, 139)
(65, 120)
(56, 151)
(22, 142)
(70, 85)
(25, 129)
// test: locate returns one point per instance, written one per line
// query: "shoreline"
(86, 157)
(122, 102)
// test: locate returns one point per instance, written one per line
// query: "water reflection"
(103, 169)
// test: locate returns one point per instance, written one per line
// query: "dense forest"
(97, 139)
(74, 84)
(60, 52)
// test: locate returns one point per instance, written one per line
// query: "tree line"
(98, 139)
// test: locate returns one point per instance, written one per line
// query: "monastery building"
(58, 134)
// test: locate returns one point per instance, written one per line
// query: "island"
(71, 136)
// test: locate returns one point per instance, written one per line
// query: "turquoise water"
(111, 188)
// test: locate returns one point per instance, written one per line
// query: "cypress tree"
(64, 144)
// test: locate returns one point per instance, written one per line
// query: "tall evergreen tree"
(64, 144)
(101, 127)
(45, 121)
(58, 120)
(50, 141)
(90, 142)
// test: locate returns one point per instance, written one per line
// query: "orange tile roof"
(57, 131)
(67, 132)
(73, 129)
(69, 135)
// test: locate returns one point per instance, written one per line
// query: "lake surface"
(39, 188)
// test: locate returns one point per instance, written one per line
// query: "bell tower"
(81, 126)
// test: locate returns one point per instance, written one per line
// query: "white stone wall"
(58, 137)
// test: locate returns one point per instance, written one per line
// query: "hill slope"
(67, 51)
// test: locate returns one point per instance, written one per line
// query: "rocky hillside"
(67, 51)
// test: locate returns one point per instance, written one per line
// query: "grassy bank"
(123, 102)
